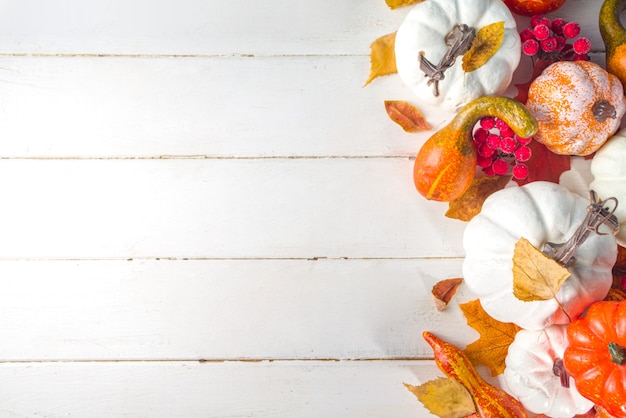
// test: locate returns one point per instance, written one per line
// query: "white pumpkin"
(608, 168)
(530, 376)
(424, 31)
(540, 212)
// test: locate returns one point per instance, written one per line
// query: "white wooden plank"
(192, 27)
(269, 208)
(217, 107)
(230, 389)
(212, 27)
(225, 309)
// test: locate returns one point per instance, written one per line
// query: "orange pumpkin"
(578, 106)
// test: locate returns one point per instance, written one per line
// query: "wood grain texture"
(215, 107)
(228, 389)
(224, 309)
(197, 208)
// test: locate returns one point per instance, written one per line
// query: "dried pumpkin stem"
(458, 41)
(558, 369)
(603, 110)
(597, 215)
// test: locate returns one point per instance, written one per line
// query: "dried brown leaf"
(406, 115)
(495, 338)
(486, 43)
(444, 397)
(394, 4)
(444, 291)
(471, 202)
(382, 57)
(535, 275)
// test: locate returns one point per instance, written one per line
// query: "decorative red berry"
(541, 32)
(480, 135)
(582, 46)
(580, 57)
(508, 145)
(539, 20)
(485, 151)
(493, 141)
(483, 162)
(557, 26)
(523, 153)
(524, 141)
(526, 34)
(549, 44)
(571, 30)
(530, 47)
(520, 171)
(488, 122)
(500, 167)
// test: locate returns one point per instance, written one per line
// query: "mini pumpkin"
(608, 168)
(541, 212)
(427, 31)
(596, 355)
(578, 106)
(535, 374)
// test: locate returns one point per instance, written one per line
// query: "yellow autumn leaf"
(382, 57)
(535, 275)
(444, 397)
(495, 337)
(471, 202)
(486, 43)
(394, 4)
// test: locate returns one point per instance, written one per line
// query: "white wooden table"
(205, 214)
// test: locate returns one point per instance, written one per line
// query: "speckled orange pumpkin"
(578, 106)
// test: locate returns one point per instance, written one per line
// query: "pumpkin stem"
(558, 369)
(603, 110)
(618, 353)
(597, 215)
(458, 41)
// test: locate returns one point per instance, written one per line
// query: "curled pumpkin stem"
(597, 215)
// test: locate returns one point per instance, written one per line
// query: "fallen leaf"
(382, 57)
(444, 397)
(444, 291)
(394, 4)
(471, 202)
(495, 338)
(406, 115)
(486, 43)
(544, 165)
(535, 275)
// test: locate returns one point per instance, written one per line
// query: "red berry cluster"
(499, 148)
(554, 40)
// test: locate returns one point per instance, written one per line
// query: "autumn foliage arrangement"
(549, 281)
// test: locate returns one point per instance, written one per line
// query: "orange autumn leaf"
(535, 275)
(406, 115)
(394, 4)
(444, 291)
(495, 338)
(486, 43)
(444, 397)
(471, 202)
(382, 57)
